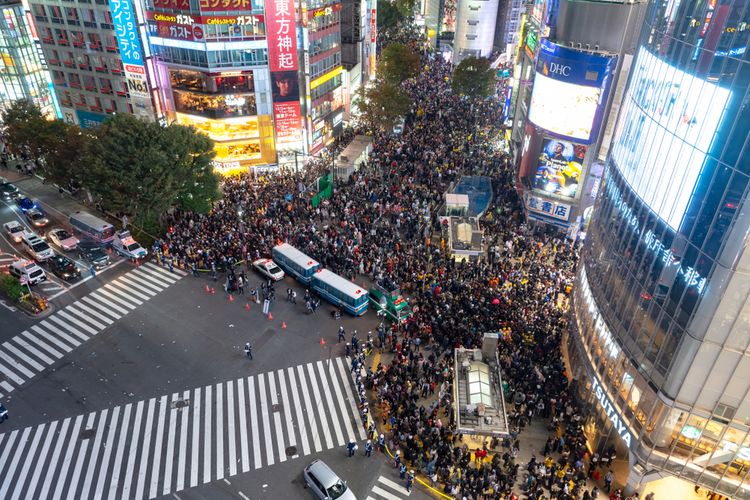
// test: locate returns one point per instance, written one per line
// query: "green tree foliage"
(26, 130)
(143, 169)
(397, 63)
(406, 7)
(381, 104)
(388, 16)
(474, 77)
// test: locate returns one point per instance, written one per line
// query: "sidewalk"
(60, 206)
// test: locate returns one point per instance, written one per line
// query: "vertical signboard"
(282, 55)
(373, 38)
(126, 31)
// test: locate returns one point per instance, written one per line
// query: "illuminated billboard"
(559, 168)
(126, 32)
(666, 127)
(570, 90)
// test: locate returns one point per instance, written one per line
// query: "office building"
(660, 348)
(475, 29)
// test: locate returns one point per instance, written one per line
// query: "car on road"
(25, 203)
(8, 190)
(15, 230)
(324, 483)
(93, 254)
(63, 239)
(36, 247)
(64, 268)
(28, 271)
(37, 217)
(3, 413)
(269, 269)
(125, 245)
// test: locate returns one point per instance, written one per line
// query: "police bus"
(340, 292)
(92, 227)
(295, 262)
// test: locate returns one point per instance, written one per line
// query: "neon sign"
(617, 422)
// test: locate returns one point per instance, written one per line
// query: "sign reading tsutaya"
(126, 31)
(619, 425)
(282, 57)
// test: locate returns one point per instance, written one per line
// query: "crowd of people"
(383, 222)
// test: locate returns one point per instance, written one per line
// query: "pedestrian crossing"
(166, 444)
(387, 489)
(33, 350)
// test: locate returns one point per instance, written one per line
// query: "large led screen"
(559, 167)
(665, 130)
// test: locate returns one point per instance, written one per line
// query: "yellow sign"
(322, 79)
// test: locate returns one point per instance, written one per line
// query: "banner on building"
(126, 32)
(282, 55)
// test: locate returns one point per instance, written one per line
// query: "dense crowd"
(383, 223)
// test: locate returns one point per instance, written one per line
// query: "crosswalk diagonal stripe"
(114, 479)
(72, 442)
(300, 417)
(6, 449)
(116, 299)
(77, 322)
(195, 448)
(101, 306)
(15, 459)
(254, 422)
(393, 485)
(244, 451)
(51, 338)
(129, 468)
(158, 446)
(62, 324)
(231, 431)
(385, 494)
(309, 409)
(151, 279)
(23, 357)
(219, 439)
(21, 481)
(207, 435)
(107, 453)
(39, 466)
(183, 444)
(344, 408)
(145, 449)
(89, 477)
(79, 314)
(163, 271)
(118, 283)
(100, 297)
(292, 440)
(146, 286)
(277, 418)
(6, 386)
(169, 458)
(123, 295)
(15, 365)
(329, 402)
(82, 452)
(92, 313)
(156, 277)
(347, 387)
(264, 414)
(319, 409)
(21, 342)
(52, 466)
(48, 348)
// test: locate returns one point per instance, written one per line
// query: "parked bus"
(340, 292)
(294, 262)
(92, 227)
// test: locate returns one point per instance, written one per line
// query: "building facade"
(24, 72)
(660, 348)
(475, 29)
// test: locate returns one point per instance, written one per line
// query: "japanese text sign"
(126, 31)
(547, 207)
(282, 35)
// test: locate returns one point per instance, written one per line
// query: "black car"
(64, 268)
(93, 253)
(8, 191)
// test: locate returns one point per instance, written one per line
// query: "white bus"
(340, 292)
(92, 227)
(294, 262)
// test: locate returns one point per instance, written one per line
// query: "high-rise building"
(24, 73)
(475, 29)
(661, 348)
(95, 53)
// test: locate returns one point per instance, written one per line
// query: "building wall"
(662, 310)
(475, 28)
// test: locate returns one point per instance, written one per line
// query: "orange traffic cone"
(247, 306)
(270, 316)
(213, 291)
(208, 290)
(283, 324)
(231, 298)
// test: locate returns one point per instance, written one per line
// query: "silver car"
(325, 484)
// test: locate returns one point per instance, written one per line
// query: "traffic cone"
(231, 298)
(208, 290)
(213, 291)
(270, 316)
(247, 306)
(283, 324)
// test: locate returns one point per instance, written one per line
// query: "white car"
(15, 230)
(27, 271)
(63, 239)
(125, 245)
(36, 247)
(269, 269)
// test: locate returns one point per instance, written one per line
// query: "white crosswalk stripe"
(387, 489)
(35, 349)
(162, 445)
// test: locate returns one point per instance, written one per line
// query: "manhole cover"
(291, 451)
(88, 433)
(180, 403)
(276, 407)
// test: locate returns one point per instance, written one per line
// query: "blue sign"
(506, 108)
(574, 66)
(87, 119)
(126, 31)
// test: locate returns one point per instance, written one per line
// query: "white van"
(36, 247)
(27, 271)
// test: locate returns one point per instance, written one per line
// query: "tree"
(142, 169)
(381, 104)
(388, 15)
(63, 163)
(27, 131)
(474, 77)
(397, 63)
(405, 7)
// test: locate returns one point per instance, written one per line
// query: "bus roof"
(291, 253)
(346, 286)
(90, 220)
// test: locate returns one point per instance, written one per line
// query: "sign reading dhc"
(619, 425)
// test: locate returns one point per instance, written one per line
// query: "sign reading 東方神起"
(617, 422)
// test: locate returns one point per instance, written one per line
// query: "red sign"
(172, 4)
(373, 25)
(282, 35)
(287, 117)
(188, 27)
(219, 5)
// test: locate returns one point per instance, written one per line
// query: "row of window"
(213, 59)
(325, 88)
(325, 65)
(95, 63)
(72, 99)
(72, 16)
(327, 42)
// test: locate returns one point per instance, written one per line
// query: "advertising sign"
(187, 27)
(559, 168)
(229, 5)
(172, 4)
(665, 130)
(547, 207)
(282, 56)
(135, 76)
(126, 31)
(570, 90)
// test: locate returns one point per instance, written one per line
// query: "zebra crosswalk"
(387, 489)
(30, 352)
(166, 444)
